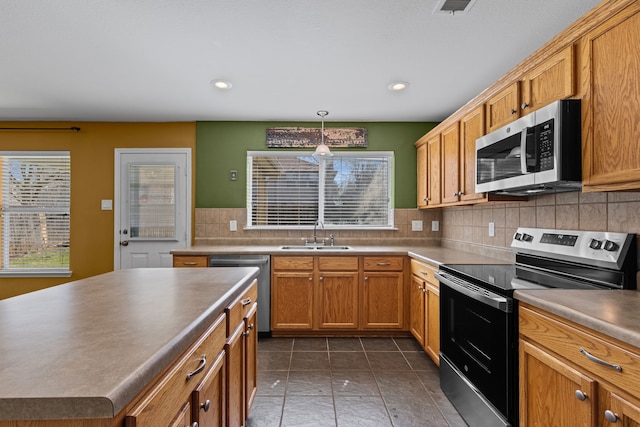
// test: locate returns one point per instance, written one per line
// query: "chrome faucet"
(315, 236)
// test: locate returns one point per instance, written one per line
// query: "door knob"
(124, 243)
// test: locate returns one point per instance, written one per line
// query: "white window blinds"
(294, 189)
(35, 203)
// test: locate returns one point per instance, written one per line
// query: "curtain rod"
(73, 128)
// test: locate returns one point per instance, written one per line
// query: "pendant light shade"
(322, 150)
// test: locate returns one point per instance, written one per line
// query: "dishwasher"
(263, 262)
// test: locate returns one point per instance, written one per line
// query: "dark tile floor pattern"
(318, 382)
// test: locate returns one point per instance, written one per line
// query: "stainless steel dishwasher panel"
(263, 262)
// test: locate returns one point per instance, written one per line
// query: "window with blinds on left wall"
(35, 213)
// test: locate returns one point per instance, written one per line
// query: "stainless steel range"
(479, 317)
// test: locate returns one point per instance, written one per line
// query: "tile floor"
(317, 382)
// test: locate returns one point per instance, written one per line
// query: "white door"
(152, 206)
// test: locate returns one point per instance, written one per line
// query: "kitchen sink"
(313, 247)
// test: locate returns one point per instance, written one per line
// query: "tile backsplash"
(212, 227)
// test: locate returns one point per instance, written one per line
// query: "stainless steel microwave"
(538, 153)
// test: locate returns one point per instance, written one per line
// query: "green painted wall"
(223, 146)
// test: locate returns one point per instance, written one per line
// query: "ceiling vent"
(453, 7)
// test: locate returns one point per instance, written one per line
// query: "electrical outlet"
(492, 229)
(435, 225)
(233, 225)
(416, 225)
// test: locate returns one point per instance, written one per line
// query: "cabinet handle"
(524, 105)
(246, 302)
(311, 279)
(189, 263)
(600, 361)
(366, 278)
(382, 264)
(513, 111)
(195, 424)
(206, 405)
(321, 278)
(581, 395)
(200, 368)
(424, 273)
(611, 416)
(420, 288)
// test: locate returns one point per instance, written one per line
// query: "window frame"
(33, 271)
(390, 155)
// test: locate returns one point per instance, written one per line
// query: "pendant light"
(322, 150)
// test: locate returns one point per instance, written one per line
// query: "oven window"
(478, 340)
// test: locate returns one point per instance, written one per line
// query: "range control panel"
(602, 248)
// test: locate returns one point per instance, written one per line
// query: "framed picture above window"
(293, 189)
(35, 213)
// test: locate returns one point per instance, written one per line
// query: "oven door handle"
(486, 297)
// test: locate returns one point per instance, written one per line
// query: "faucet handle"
(331, 239)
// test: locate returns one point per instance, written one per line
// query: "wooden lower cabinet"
(209, 398)
(337, 297)
(560, 386)
(383, 293)
(184, 417)
(425, 308)
(250, 356)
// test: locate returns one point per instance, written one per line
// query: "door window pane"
(152, 204)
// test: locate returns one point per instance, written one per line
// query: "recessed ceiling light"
(221, 84)
(397, 86)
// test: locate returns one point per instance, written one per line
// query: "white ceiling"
(153, 60)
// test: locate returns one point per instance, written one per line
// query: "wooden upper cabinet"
(434, 161)
(422, 175)
(503, 107)
(611, 103)
(450, 140)
(550, 81)
(471, 128)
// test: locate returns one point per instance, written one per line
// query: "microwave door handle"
(523, 151)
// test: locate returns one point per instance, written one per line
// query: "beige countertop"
(615, 313)
(433, 254)
(85, 349)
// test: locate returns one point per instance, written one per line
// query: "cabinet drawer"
(190, 261)
(424, 271)
(292, 263)
(393, 263)
(567, 340)
(241, 306)
(166, 398)
(338, 263)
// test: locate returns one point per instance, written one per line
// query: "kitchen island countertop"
(85, 349)
(615, 313)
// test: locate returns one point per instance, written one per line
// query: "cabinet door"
(552, 80)
(291, 300)
(451, 164)
(471, 128)
(422, 175)
(434, 161)
(611, 104)
(209, 397)
(250, 357)
(337, 300)
(184, 417)
(432, 316)
(615, 410)
(383, 300)
(503, 107)
(417, 306)
(235, 377)
(552, 393)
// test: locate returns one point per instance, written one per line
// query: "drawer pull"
(425, 273)
(581, 395)
(600, 361)
(246, 302)
(206, 405)
(382, 264)
(189, 263)
(200, 368)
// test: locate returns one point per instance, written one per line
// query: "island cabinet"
(190, 261)
(611, 103)
(241, 348)
(383, 293)
(425, 308)
(573, 376)
(175, 398)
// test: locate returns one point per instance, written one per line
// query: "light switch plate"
(106, 205)
(416, 225)
(492, 229)
(435, 225)
(233, 225)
